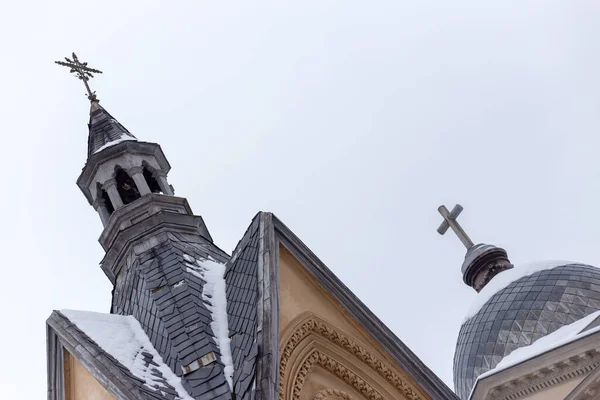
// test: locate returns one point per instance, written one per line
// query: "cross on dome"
(450, 222)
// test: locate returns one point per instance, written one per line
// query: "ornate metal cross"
(82, 72)
(450, 222)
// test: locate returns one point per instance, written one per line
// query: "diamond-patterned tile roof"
(524, 311)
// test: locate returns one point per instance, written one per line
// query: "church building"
(189, 321)
(271, 321)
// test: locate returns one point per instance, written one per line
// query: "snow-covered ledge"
(114, 142)
(569, 353)
(215, 300)
(124, 339)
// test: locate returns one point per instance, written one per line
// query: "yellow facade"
(324, 353)
(80, 384)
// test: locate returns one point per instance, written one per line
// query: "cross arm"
(78, 67)
(448, 215)
(450, 222)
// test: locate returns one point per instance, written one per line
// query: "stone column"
(111, 188)
(161, 177)
(100, 206)
(137, 174)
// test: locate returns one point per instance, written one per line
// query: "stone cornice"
(588, 389)
(146, 205)
(546, 377)
(162, 222)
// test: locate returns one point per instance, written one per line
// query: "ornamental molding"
(310, 324)
(336, 368)
(547, 377)
(591, 392)
(331, 394)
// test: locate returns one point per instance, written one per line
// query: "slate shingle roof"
(158, 290)
(105, 367)
(104, 129)
(242, 296)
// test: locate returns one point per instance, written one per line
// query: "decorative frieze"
(547, 377)
(313, 325)
(338, 369)
(331, 394)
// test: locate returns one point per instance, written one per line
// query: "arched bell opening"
(107, 203)
(103, 204)
(149, 176)
(128, 190)
(157, 180)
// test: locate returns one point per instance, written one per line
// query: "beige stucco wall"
(300, 293)
(80, 384)
(558, 392)
(302, 299)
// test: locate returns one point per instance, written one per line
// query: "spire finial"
(82, 72)
(450, 222)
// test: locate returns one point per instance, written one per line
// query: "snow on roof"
(123, 138)
(505, 278)
(559, 337)
(215, 299)
(123, 338)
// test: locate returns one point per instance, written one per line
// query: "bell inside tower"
(126, 187)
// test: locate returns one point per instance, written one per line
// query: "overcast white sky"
(351, 121)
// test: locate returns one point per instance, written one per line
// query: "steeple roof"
(105, 130)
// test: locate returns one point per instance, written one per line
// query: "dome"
(520, 313)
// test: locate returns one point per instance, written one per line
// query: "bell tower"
(158, 253)
(125, 180)
(115, 177)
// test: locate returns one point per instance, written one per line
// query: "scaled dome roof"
(519, 314)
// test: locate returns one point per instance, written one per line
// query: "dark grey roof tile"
(103, 129)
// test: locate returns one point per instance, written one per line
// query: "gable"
(290, 306)
(323, 348)
(300, 295)
(118, 363)
(79, 382)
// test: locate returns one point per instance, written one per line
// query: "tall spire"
(104, 130)
(482, 261)
(155, 249)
